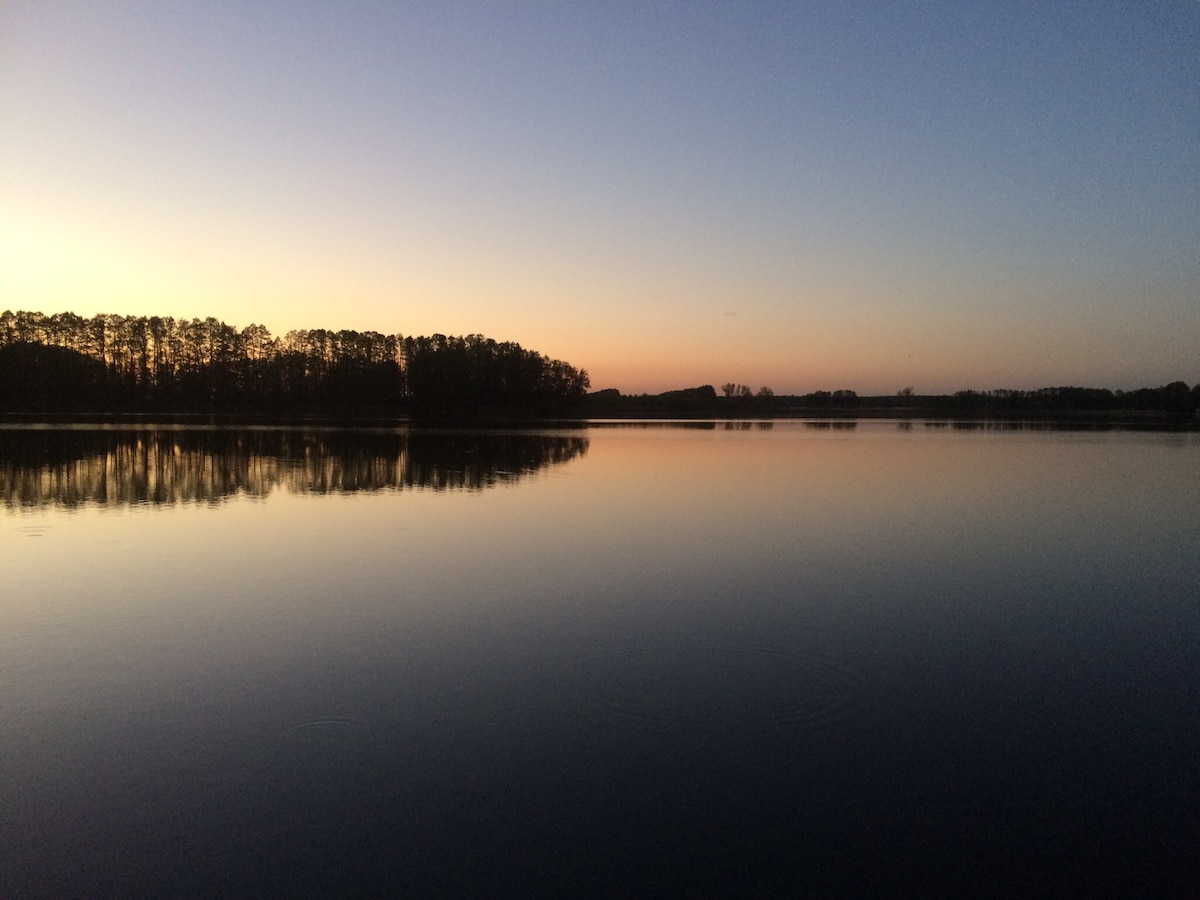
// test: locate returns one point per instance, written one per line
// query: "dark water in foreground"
(619, 661)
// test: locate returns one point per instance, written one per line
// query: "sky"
(805, 196)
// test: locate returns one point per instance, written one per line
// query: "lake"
(625, 660)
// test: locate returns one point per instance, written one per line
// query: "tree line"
(114, 363)
(1175, 401)
(1175, 397)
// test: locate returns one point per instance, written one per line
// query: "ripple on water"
(716, 688)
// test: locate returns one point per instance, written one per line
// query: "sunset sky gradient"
(802, 195)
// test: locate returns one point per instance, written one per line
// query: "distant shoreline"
(929, 414)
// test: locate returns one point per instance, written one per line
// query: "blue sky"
(807, 196)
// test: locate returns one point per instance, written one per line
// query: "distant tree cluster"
(1175, 397)
(734, 391)
(129, 363)
(686, 402)
(840, 399)
(730, 389)
(1174, 401)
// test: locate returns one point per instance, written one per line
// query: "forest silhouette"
(1174, 404)
(111, 363)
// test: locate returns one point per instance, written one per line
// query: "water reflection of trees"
(74, 467)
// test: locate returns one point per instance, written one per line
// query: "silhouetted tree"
(736, 390)
(845, 397)
(168, 364)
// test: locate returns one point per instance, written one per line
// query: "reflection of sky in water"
(677, 623)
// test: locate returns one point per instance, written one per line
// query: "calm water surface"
(617, 661)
